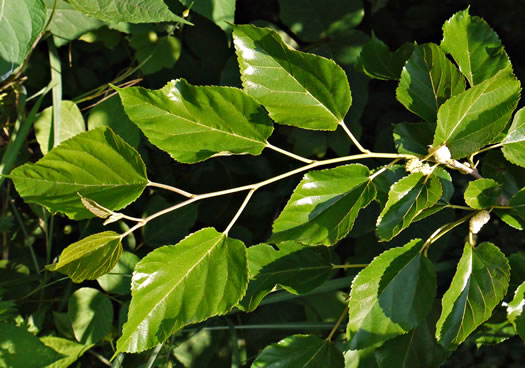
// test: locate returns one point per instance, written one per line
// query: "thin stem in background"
(289, 154)
(153, 356)
(172, 189)
(56, 79)
(337, 324)
(239, 211)
(345, 266)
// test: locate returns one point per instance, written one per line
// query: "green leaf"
(406, 200)
(495, 166)
(97, 164)
(482, 193)
(132, 11)
(515, 216)
(90, 257)
(306, 351)
(312, 20)
(297, 88)
(324, 206)
(416, 349)
(153, 52)
(70, 349)
(220, 12)
(515, 311)
(20, 24)
(118, 280)
(480, 283)
(427, 80)
(492, 333)
(472, 119)
(72, 124)
(391, 296)
(413, 138)
(475, 47)
(378, 62)
(194, 123)
(19, 348)
(296, 268)
(204, 275)
(91, 313)
(514, 142)
(68, 23)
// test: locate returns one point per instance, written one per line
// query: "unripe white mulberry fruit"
(478, 220)
(442, 155)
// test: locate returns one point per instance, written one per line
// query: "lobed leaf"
(297, 88)
(306, 351)
(391, 296)
(474, 118)
(482, 193)
(296, 268)
(515, 311)
(204, 275)
(475, 47)
(324, 206)
(96, 164)
(514, 141)
(89, 258)
(479, 284)
(407, 199)
(428, 79)
(195, 123)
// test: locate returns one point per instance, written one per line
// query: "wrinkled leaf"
(406, 200)
(90, 257)
(480, 282)
(195, 123)
(97, 164)
(306, 351)
(474, 118)
(515, 311)
(514, 142)
(296, 268)
(475, 47)
(70, 349)
(204, 275)
(324, 206)
(391, 296)
(482, 193)
(296, 88)
(427, 80)
(20, 24)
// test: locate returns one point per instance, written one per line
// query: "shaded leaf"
(324, 206)
(296, 268)
(472, 119)
(515, 311)
(132, 11)
(220, 12)
(492, 333)
(494, 166)
(391, 296)
(378, 62)
(118, 280)
(297, 88)
(97, 164)
(70, 349)
(20, 24)
(514, 142)
(153, 52)
(312, 20)
(482, 193)
(427, 80)
(204, 275)
(307, 351)
(515, 215)
(90, 257)
(406, 200)
(195, 123)
(480, 282)
(413, 138)
(475, 47)
(19, 348)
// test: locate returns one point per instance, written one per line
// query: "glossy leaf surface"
(132, 11)
(306, 351)
(428, 79)
(297, 268)
(97, 164)
(204, 275)
(91, 314)
(90, 257)
(20, 24)
(296, 88)
(475, 47)
(324, 206)
(391, 296)
(515, 312)
(407, 199)
(514, 142)
(479, 284)
(474, 118)
(482, 193)
(195, 123)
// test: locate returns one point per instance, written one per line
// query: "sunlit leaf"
(482, 193)
(71, 350)
(514, 142)
(515, 311)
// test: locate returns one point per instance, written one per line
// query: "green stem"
(289, 154)
(337, 324)
(56, 78)
(352, 138)
(239, 211)
(43, 287)
(443, 230)
(153, 356)
(345, 266)
(456, 207)
(268, 326)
